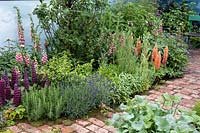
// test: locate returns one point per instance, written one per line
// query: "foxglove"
(47, 82)
(19, 57)
(26, 81)
(34, 75)
(14, 76)
(5, 77)
(44, 57)
(27, 60)
(7, 93)
(2, 89)
(17, 95)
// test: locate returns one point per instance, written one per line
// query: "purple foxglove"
(14, 76)
(5, 77)
(47, 82)
(26, 80)
(2, 90)
(17, 95)
(7, 93)
(34, 75)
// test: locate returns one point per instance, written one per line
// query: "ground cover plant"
(140, 115)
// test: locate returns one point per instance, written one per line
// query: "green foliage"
(43, 103)
(197, 108)
(82, 95)
(176, 17)
(177, 58)
(57, 67)
(142, 116)
(12, 114)
(7, 58)
(110, 71)
(73, 26)
(61, 65)
(136, 16)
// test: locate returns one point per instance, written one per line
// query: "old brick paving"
(188, 87)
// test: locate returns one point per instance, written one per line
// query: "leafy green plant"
(12, 114)
(43, 103)
(7, 58)
(142, 116)
(62, 65)
(177, 58)
(176, 17)
(197, 108)
(82, 95)
(76, 30)
(57, 67)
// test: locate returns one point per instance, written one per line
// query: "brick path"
(91, 125)
(188, 86)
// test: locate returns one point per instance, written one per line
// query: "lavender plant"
(82, 95)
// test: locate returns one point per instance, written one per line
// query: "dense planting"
(95, 54)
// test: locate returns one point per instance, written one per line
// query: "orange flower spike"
(139, 47)
(157, 61)
(165, 56)
(154, 53)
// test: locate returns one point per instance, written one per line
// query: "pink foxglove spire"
(44, 57)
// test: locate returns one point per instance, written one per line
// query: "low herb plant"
(43, 103)
(143, 116)
(83, 95)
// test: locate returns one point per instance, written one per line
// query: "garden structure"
(104, 68)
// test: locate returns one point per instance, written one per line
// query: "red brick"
(110, 128)
(79, 129)
(67, 129)
(45, 128)
(14, 129)
(93, 127)
(82, 123)
(28, 128)
(58, 126)
(101, 130)
(96, 122)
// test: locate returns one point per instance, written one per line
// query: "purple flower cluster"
(2, 95)
(14, 78)
(34, 75)
(26, 80)
(17, 95)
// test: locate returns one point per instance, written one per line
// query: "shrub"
(62, 65)
(82, 95)
(77, 30)
(43, 103)
(177, 58)
(142, 116)
(57, 67)
(7, 59)
(176, 17)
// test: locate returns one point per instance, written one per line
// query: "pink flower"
(44, 57)
(18, 73)
(21, 40)
(27, 60)
(112, 49)
(19, 57)
(35, 63)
